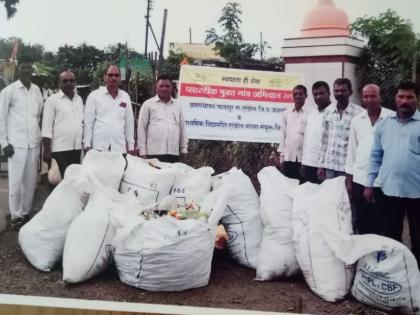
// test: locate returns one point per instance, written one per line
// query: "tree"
(83, 60)
(230, 45)
(10, 6)
(390, 52)
(35, 51)
(172, 64)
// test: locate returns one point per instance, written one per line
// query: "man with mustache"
(336, 131)
(292, 134)
(62, 124)
(396, 157)
(108, 117)
(366, 216)
(20, 138)
(313, 132)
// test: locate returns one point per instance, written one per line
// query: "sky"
(54, 23)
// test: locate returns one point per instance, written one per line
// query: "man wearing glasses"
(108, 117)
(62, 124)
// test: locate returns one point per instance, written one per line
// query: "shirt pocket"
(121, 112)
(414, 144)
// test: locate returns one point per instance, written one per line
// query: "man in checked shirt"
(161, 127)
(336, 131)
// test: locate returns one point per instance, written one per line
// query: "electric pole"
(162, 37)
(147, 16)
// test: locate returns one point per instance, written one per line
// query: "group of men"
(104, 123)
(375, 148)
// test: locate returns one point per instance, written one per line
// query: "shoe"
(17, 223)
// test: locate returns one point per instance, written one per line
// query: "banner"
(234, 105)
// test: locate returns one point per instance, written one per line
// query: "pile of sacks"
(96, 217)
(308, 228)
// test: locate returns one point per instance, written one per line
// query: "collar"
(20, 84)
(347, 110)
(158, 100)
(302, 109)
(324, 109)
(384, 113)
(416, 116)
(104, 90)
(62, 95)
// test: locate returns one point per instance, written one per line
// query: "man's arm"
(88, 119)
(4, 111)
(324, 145)
(129, 127)
(375, 162)
(351, 157)
(183, 139)
(282, 139)
(48, 118)
(143, 123)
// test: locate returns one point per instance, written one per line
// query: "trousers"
(23, 172)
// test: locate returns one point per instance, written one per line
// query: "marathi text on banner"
(234, 105)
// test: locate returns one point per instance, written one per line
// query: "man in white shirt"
(20, 138)
(367, 218)
(108, 117)
(161, 126)
(291, 134)
(313, 132)
(62, 124)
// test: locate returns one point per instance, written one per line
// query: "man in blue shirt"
(395, 157)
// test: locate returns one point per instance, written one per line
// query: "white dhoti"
(23, 171)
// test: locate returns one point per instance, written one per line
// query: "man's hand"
(368, 194)
(46, 156)
(321, 174)
(9, 151)
(183, 157)
(302, 171)
(349, 185)
(280, 161)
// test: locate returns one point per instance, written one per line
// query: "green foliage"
(390, 52)
(391, 39)
(230, 45)
(10, 6)
(172, 64)
(82, 59)
(35, 51)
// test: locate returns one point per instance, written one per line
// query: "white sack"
(42, 238)
(192, 185)
(315, 208)
(148, 184)
(387, 275)
(241, 219)
(276, 256)
(168, 254)
(86, 251)
(106, 167)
